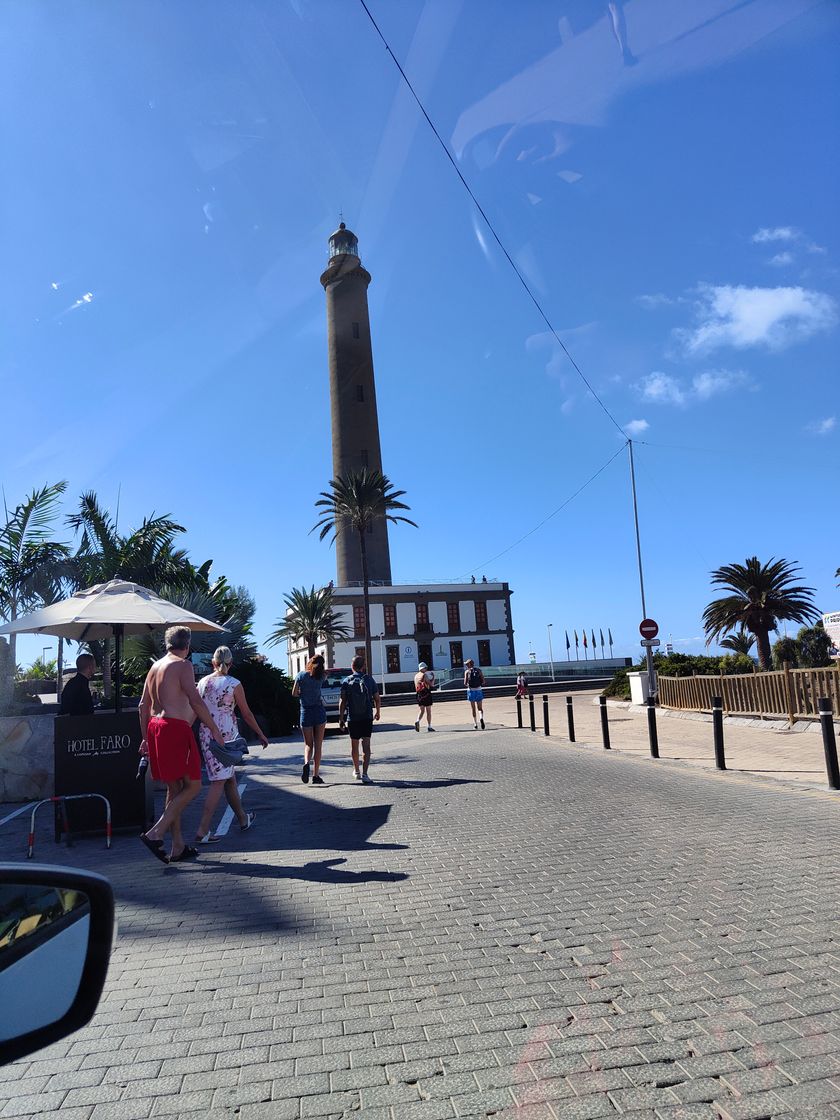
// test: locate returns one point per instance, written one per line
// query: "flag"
(568, 643)
(594, 643)
(601, 632)
(609, 634)
(585, 643)
(576, 640)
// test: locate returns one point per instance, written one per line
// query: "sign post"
(649, 629)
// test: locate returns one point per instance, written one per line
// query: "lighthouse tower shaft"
(355, 423)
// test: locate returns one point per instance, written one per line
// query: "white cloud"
(780, 233)
(814, 248)
(636, 427)
(823, 427)
(771, 317)
(781, 259)
(654, 301)
(569, 176)
(662, 388)
(713, 382)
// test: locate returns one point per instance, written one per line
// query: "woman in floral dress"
(222, 694)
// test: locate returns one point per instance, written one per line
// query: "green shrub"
(619, 686)
(785, 649)
(269, 694)
(736, 663)
(814, 645)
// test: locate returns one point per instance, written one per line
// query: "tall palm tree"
(310, 617)
(31, 562)
(760, 595)
(145, 556)
(355, 501)
(741, 642)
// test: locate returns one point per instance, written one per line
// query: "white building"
(442, 624)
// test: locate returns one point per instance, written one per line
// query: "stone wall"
(26, 758)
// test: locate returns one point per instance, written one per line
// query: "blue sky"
(172, 174)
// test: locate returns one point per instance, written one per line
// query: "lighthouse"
(355, 424)
(438, 625)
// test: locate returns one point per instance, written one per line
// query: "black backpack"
(359, 703)
(474, 679)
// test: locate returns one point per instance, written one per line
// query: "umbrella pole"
(118, 637)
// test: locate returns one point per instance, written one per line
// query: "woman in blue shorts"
(313, 716)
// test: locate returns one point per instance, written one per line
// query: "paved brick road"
(503, 926)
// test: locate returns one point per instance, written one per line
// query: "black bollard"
(518, 711)
(829, 742)
(545, 715)
(717, 725)
(654, 738)
(533, 713)
(570, 716)
(605, 723)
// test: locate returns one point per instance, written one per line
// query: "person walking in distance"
(169, 705)
(521, 685)
(223, 694)
(361, 704)
(473, 681)
(424, 682)
(313, 716)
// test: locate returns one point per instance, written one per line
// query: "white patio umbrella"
(108, 610)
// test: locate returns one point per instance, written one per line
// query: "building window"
(424, 653)
(360, 652)
(355, 330)
(484, 652)
(390, 621)
(423, 626)
(359, 628)
(481, 616)
(392, 658)
(456, 655)
(453, 617)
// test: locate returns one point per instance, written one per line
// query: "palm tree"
(742, 642)
(230, 607)
(355, 502)
(30, 560)
(309, 617)
(761, 594)
(145, 556)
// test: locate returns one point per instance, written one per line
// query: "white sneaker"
(356, 776)
(475, 727)
(366, 780)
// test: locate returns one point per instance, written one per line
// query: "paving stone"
(576, 935)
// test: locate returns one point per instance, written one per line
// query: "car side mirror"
(56, 934)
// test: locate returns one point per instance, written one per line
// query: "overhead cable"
(490, 225)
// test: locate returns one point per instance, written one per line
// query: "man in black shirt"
(76, 699)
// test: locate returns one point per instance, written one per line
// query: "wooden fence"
(784, 693)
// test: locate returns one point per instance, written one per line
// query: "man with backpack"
(473, 681)
(359, 698)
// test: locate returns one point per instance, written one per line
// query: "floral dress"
(216, 690)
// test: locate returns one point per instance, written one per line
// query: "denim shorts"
(313, 717)
(475, 694)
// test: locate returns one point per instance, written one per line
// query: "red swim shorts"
(173, 751)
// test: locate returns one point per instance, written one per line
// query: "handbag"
(231, 754)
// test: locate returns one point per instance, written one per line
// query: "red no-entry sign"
(648, 628)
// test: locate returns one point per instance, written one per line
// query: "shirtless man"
(168, 707)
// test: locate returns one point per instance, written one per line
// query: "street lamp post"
(550, 652)
(44, 653)
(382, 660)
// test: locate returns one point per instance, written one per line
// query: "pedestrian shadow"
(433, 783)
(316, 871)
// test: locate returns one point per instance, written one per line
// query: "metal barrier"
(62, 808)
